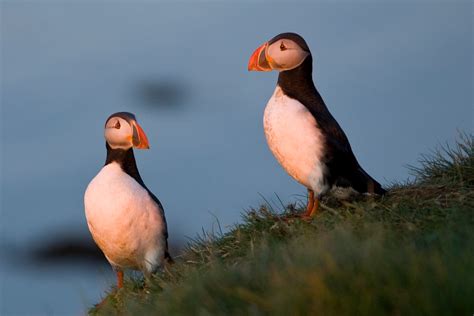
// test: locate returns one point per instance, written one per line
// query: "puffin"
(301, 132)
(125, 218)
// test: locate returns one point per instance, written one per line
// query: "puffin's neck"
(298, 84)
(126, 159)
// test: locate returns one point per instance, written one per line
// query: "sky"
(396, 75)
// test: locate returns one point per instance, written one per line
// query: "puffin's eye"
(117, 124)
(282, 46)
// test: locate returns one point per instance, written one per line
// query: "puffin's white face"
(280, 54)
(123, 132)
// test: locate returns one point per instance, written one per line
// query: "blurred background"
(397, 77)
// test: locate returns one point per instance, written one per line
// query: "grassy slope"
(410, 252)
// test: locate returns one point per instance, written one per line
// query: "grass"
(410, 252)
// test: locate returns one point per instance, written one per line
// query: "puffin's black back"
(343, 168)
(126, 160)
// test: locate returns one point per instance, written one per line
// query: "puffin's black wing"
(344, 169)
(167, 254)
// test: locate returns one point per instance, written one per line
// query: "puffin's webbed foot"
(312, 207)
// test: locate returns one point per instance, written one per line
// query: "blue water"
(398, 78)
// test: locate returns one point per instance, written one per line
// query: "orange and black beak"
(258, 61)
(139, 139)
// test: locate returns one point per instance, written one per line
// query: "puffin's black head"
(285, 51)
(123, 132)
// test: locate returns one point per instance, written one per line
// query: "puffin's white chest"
(295, 140)
(124, 220)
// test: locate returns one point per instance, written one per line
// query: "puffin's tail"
(364, 183)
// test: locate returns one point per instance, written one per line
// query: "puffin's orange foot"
(311, 212)
(119, 279)
(310, 204)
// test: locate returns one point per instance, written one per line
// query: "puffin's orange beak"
(139, 139)
(258, 61)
